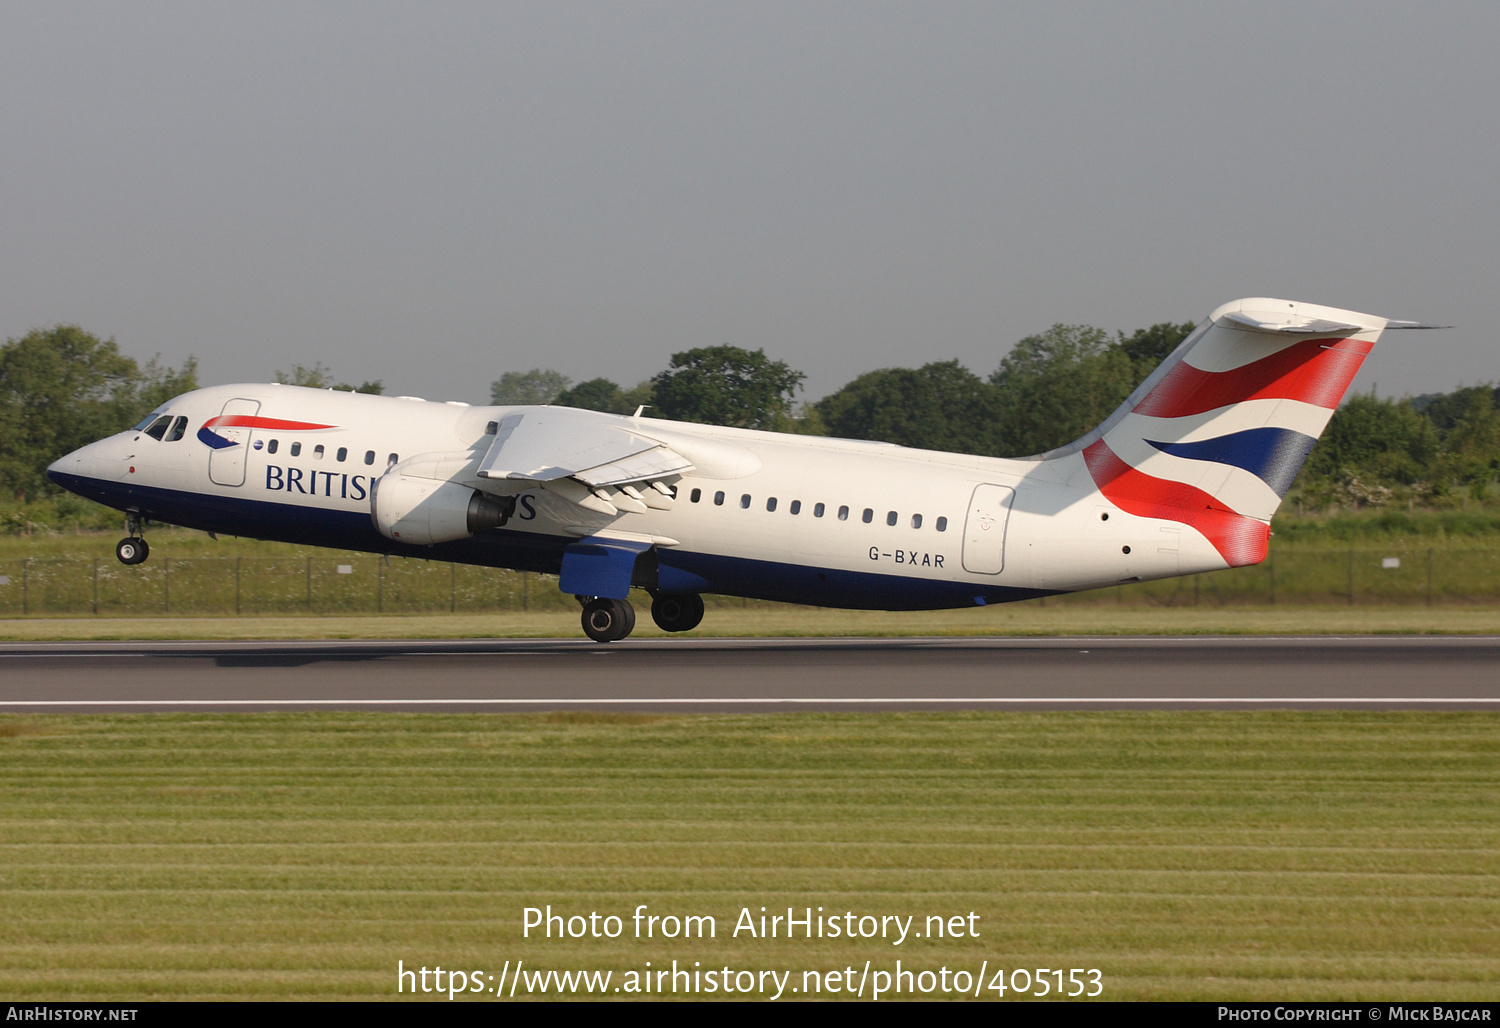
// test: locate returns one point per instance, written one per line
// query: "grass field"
(1271, 855)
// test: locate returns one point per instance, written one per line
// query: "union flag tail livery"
(1213, 439)
(1183, 478)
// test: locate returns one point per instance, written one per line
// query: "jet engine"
(423, 511)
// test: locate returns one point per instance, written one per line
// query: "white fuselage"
(826, 521)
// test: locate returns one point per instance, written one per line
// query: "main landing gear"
(677, 613)
(132, 549)
(607, 620)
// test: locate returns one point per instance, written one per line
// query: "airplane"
(1182, 478)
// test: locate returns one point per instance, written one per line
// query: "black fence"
(370, 585)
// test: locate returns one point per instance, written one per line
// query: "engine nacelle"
(423, 511)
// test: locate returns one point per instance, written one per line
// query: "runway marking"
(60, 653)
(748, 701)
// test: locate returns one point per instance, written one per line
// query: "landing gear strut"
(608, 620)
(677, 613)
(132, 549)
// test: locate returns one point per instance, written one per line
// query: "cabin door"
(230, 442)
(984, 529)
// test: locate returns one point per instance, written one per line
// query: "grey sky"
(432, 194)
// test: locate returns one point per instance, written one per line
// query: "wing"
(595, 460)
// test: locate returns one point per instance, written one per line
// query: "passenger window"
(159, 427)
(818, 509)
(916, 521)
(868, 516)
(369, 456)
(796, 506)
(843, 513)
(343, 453)
(890, 519)
(392, 460)
(696, 495)
(318, 451)
(178, 428)
(719, 498)
(771, 504)
(271, 446)
(942, 524)
(745, 502)
(296, 449)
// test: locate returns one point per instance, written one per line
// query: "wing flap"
(546, 444)
(657, 462)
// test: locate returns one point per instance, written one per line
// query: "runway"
(738, 675)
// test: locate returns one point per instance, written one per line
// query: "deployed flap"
(549, 443)
(600, 566)
(639, 467)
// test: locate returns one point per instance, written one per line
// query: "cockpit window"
(179, 428)
(147, 420)
(159, 427)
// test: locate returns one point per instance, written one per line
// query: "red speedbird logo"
(209, 437)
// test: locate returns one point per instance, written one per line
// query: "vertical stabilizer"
(1215, 436)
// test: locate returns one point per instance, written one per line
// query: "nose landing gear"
(132, 549)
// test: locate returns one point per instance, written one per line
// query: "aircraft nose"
(93, 462)
(68, 468)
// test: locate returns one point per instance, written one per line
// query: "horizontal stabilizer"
(1301, 327)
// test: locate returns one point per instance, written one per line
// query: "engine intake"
(424, 511)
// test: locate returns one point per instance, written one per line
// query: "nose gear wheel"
(132, 550)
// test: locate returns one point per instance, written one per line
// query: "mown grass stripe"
(1190, 855)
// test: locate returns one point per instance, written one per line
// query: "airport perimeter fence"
(370, 585)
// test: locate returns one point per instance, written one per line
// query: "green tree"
(642, 394)
(725, 385)
(1377, 441)
(808, 420)
(320, 377)
(1054, 387)
(61, 388)
(155, 385)
(940, 406)
(1148, 347)
(1446, 410)
(1473, 446)
(602, 394)
(595, 394)
(528, 388)
(315, 377)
